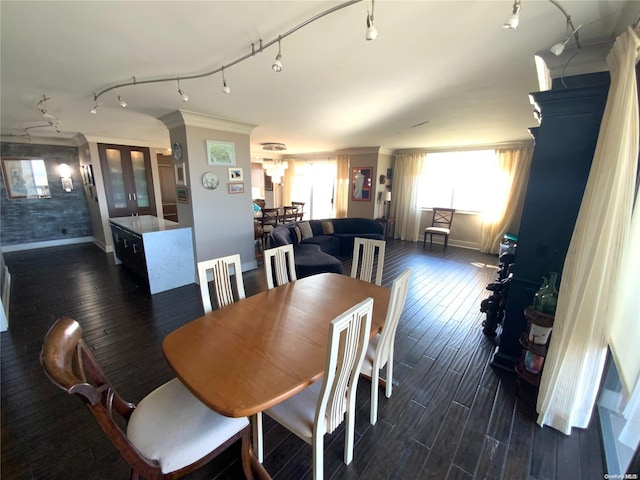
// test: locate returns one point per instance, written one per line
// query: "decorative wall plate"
(176, 150)
(210, 181)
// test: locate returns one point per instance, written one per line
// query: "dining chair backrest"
(270, 216)
(363, 264)
(300, 207)
(442, 217)
(383, 343)
(348, 338)
(279, 265)
(168, 434)
(289, 214)
(221, 276)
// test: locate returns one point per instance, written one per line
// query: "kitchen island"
(158, 250)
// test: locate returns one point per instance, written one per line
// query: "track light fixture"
(225, 87)
(514, 20)
(185, 97)
(558, 48)
(96, 105)
(121, 101)
(372, 32)
(277, 65)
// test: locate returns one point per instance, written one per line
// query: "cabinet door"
(128, 181)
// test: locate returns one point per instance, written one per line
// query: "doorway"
(167, 188)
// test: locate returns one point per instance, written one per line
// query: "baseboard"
(454, 243)
(46, 244)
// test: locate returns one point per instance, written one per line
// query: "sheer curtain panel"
(342, 186)
(591, 274)
(514, 163)
(404, 200)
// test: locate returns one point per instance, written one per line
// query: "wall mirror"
(25, 178)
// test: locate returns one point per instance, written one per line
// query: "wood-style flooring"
(451, 415)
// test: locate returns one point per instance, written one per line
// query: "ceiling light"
(277, 65)
(558, 48)
(372, 32)
(514, 20)
(274, 167)
(94, 110)
(121, 101)
(225, 87)
(185, 97)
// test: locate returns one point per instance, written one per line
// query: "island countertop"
(145, 224)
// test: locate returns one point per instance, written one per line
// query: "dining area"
(293, 352)
(266, 219)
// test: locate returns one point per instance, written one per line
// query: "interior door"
(167, 188)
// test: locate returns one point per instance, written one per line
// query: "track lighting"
(558, 48)
(225, 87)
(121, 101)
(372, 32)
(514, 20)
(277, 65)
(185, 97)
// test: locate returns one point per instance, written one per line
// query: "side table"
(389, 225)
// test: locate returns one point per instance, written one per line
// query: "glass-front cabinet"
(128, 181)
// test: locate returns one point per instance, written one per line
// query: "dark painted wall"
(63, 216)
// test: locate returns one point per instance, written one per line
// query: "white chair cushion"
(172, 426)
(298, 412)
(437, 230)
(369, 357)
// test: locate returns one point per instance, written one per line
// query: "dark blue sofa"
(317, 253)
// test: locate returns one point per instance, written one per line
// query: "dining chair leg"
(258, 438)
(373, 416)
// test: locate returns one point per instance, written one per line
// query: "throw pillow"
(296, 231)
(327, 228)
(305, 230)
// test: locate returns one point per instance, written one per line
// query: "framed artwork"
(25, 178)
(220, 153)
(181, 179)
(237, 187)
(235, 175)
(361, 181)
(182, 194)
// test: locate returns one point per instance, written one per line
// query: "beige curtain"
(342, 186)
(287, 182)
(404, 201)
(578, 346)
(514, 164)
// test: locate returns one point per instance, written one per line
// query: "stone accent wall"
(63, 216)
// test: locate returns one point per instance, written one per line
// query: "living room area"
(311, 105)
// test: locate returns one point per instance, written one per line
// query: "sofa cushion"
(327, 227)
(297, 234)
(282, 235)
(305, 230)
(347, 241)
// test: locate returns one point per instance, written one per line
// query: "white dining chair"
(321, 408)
(364, 263)
(380, 349)
(221, 276)
(279, 265)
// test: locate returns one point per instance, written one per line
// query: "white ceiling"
(448, 63)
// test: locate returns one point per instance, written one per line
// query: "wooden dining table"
(250, 355)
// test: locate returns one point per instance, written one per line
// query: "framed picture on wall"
(25, 178)
(268, 183)
(221, 153)
(182, 194)
(235, 174)
(237, 187)
(181, 179)
(361, 184)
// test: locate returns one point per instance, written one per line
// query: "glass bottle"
(537, 297)
(549, 298)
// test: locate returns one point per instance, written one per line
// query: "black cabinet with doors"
(127, 180)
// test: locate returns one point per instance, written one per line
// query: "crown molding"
(180, 118)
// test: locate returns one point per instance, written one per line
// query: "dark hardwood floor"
(451, 416)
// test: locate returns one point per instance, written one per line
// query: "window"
(469, 181)
(314, 183)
